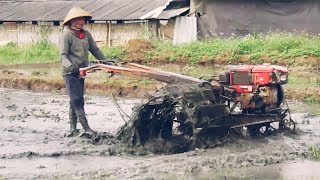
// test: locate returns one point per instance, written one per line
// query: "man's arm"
(64, 46)
(93, 48)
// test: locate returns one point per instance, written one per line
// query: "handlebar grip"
(83, 72)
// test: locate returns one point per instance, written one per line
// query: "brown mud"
(137, 49)
(28, 66)
(40, 78)
(33, 145)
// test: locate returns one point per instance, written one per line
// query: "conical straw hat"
(76, 12)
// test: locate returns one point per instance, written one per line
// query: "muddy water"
(32, 145)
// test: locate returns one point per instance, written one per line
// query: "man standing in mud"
(75, 44)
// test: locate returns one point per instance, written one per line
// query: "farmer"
(75, 44)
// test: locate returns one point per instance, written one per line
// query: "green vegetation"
(194, 71)
(281, 48)
(114, 52)
(314, 151)
(312, 99)
(274, 46)
(303, 79)
(44, 52)
(41, 52)
(304, 83)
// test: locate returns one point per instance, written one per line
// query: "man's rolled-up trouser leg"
(79, 110)
(75, 88)
(73, 118)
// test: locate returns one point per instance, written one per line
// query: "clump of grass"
(303, 79)
(9, 53)
(40, 52)
(311, 99)
(111, 53)
(318, 80)
(314, 151)
(193, 52)
(114, 52)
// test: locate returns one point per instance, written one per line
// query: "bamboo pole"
(109, 33)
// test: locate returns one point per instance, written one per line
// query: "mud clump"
(139, 45)
(98, 138)
(181, 118)
(12, 107)
(10, 72)
(138, 48)
(37, 73)
(167, 123)
(176, 144)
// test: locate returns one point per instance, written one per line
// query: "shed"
(114, 21)
(241, 17)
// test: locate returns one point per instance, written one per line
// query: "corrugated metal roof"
(167, 14)
(56, 10)
(171, 9)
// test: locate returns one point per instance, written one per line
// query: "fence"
(104, 33)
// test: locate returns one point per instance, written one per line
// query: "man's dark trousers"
(75, 89)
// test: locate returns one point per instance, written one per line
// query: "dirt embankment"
(40, 78)
(31, 78)
(144, 51)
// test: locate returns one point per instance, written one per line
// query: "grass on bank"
(314, 151)
(43, 52)
(300, 80)
(276, 47)
(112, 53)
(305, 83)
(40, 52)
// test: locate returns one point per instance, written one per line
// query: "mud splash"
(32, 145)
(165, 124)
